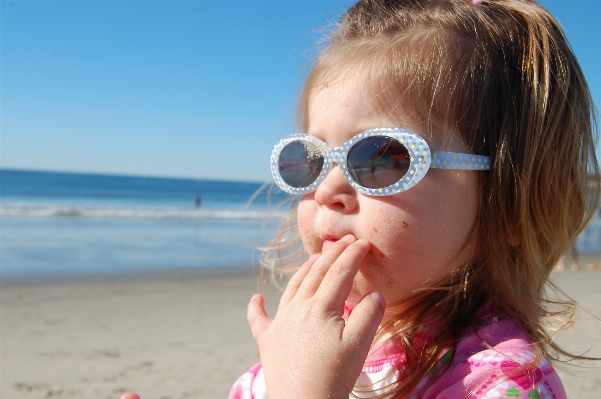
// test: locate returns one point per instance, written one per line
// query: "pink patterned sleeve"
(251, 385)
(497, 362)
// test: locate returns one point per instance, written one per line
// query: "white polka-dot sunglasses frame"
(422, 159)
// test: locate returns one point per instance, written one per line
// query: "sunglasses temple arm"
(456, 160)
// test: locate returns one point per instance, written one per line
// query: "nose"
(336, 193)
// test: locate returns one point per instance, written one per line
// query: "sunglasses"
(379, 162)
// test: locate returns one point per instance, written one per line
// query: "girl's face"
(416, 236)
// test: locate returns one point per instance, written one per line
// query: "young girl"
(446, 166)
(447, 163)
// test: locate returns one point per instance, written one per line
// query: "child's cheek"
(305, 223)
(302, 230)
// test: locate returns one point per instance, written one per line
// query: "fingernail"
(378, 298)
(348, 238)
(314, 256)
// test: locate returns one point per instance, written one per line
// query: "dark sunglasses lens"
(377, 162)
(300, 163)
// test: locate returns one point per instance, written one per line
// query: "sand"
(176, 336)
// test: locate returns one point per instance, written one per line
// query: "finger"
(338, 281)
(362, 324)
(297, 279)
(321, 266)
(130, 395)
(257, 317)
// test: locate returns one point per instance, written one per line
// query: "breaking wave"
(116, 212)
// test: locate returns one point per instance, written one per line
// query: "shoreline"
(184, 335)
(587, 261)
(116, 277)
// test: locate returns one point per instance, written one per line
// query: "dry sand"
(176, 336)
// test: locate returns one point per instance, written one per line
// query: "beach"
(181, 335)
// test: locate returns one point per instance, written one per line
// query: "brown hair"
(502, 75)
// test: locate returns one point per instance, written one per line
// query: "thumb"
(364, 320)
(257, 317)
(130, 395)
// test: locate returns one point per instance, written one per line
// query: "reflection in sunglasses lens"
(378, 162)
(300, 163)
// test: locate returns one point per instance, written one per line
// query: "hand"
(130, 395)
(307, 350)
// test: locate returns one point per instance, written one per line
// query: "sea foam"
(132, 212)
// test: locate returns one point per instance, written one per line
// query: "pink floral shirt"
(489, 363)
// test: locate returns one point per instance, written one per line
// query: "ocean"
(70, 225)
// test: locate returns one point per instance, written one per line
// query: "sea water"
(57, 225)
(67, 225)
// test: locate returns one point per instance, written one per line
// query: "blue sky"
(199, 89)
